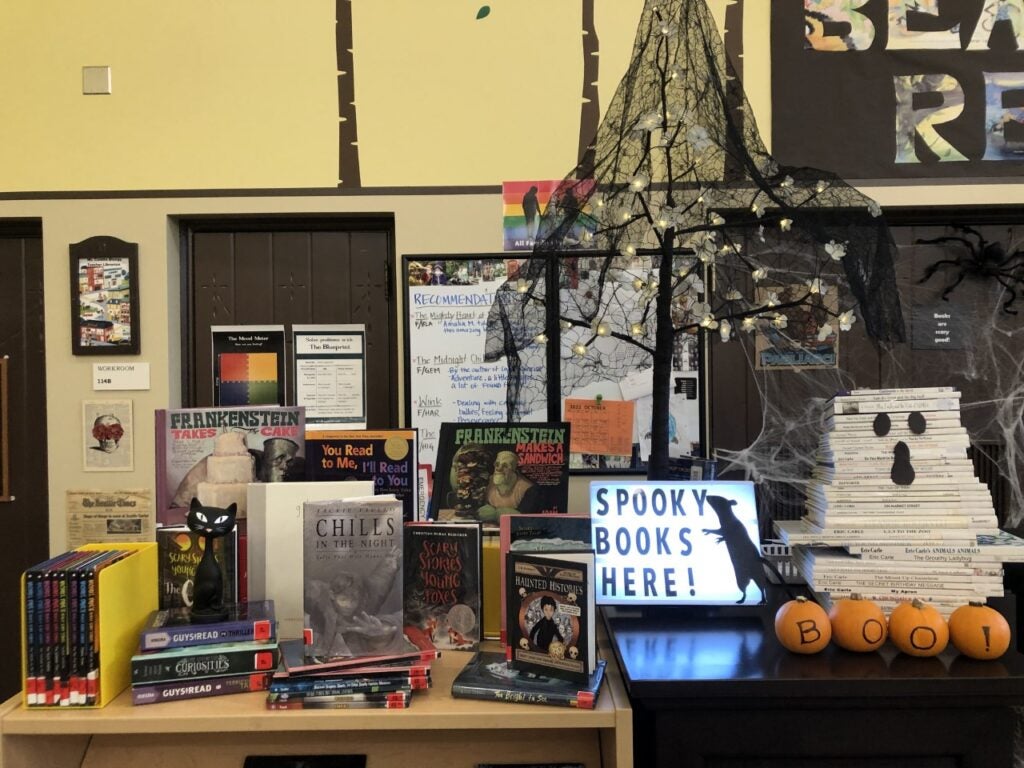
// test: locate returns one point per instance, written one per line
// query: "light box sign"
(676, 543)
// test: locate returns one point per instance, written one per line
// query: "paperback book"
(212, 454)
(199, 689)
(173, 627)
(489, 677)
(442, 591)
(394, 700)
(486, 470)
(179, 551)
(352, 577)
(551, 613)
(194, 663)
(385, 456)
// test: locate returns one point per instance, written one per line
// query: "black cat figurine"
(208, 582)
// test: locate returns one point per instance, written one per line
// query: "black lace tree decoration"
(691, 222)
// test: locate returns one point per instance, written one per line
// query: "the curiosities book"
(443, 583)
(352, 577)
(551, 613)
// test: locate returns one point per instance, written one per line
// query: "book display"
(894, 510)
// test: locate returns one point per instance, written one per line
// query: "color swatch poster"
(248, 365)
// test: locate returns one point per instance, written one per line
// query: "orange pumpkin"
(979, 631)
(802, 626)
(917, 629)
(857, 625)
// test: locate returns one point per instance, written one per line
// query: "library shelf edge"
(226, 728)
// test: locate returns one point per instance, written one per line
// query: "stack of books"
(178, 659)
(357, 682)
(894, 510)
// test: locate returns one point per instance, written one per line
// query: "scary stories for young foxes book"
(442, 583)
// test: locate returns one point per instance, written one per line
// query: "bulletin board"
(448, 300)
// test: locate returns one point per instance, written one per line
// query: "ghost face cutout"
(902, 469)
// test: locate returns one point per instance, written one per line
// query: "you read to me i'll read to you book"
(352, 577)
(551, 614)
(385, 456)
(486, 470)
(443, 568)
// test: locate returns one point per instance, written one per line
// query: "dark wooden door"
(25, 512)
(308, 272)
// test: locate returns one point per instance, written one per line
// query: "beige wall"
(242, 94)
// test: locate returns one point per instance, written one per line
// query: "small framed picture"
(108, 439)
(104, 297)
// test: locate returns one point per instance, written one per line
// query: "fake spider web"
(683, 207)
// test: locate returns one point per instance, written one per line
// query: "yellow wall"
(242, 94)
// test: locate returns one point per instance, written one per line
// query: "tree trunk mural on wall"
(590, 106)
(348, 150)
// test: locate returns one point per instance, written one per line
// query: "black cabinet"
(720, 692)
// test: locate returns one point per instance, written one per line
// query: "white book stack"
(894, 510)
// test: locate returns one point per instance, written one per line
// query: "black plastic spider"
(982, 259)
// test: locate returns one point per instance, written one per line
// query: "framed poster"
(107, 436)
(449, 376)
(104, 281)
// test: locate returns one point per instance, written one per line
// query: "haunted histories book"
(539, 533)
(486, 470)
(551, 613)
(385, 456)
(179, 551)
(443, 570)
(352, 576)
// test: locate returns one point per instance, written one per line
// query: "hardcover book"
(385, 456)
(551, 613)
(179, 551)
(213, 453)
(193, 663)
(275, 543)
(442, 592)
(486, 470)
(540, 533)
(489, 677)
(395, 700)
(296, 661)
(199, 689)
(352, 576)
(173, 628)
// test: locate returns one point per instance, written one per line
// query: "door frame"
(271, 222)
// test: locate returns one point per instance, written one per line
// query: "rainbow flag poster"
(524, 203)
(248, 365)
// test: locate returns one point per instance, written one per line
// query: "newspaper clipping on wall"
(98, 517)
